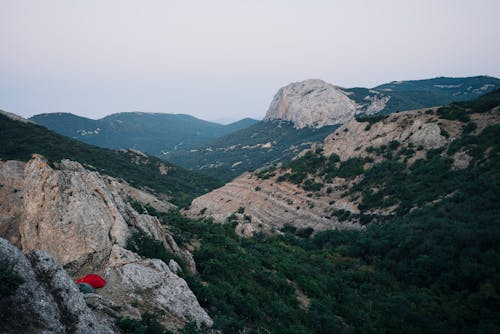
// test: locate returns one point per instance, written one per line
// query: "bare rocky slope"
(305, 197)
(83, 220)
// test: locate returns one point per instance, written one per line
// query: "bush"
(351, 167)
(146, 246)
(9, 280)
(147, 325)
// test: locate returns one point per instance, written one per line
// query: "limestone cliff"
(315, 103)
(83, 219)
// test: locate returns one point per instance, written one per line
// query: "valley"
(343, 211)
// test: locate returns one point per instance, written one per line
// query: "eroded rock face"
(47, 301)
(272, 206)
(74, 214)
(315, 103)
(70, 212)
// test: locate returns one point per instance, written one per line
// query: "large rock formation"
(47, 301)
(315, 103)
(82, 219)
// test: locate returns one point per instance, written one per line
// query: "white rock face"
(70, 213)
(315, 103)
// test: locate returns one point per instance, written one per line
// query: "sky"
(223, 60)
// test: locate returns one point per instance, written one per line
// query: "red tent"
(93, 280)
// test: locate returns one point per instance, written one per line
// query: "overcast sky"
(225, 59)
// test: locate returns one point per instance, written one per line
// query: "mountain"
(153, 133)
(389, 225)
(322, 189)
(19, 140)
(303, 113)
(264, 143)
(315, 103)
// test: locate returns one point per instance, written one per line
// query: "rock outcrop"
(47, 301)
(315, 103)
(271, 206)
(414, 128)
(82, 218)
(153, 284)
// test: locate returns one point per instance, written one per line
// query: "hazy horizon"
(224, 60)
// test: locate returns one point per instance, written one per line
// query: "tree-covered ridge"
(153, 133)
(261, 144)
(20, 140)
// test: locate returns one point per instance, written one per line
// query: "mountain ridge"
(153, 133)
(316, 103)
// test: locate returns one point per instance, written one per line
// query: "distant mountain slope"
(315, 103)
(264, 143)
(19, 140)
(149, 132)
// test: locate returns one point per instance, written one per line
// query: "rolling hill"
(153, 133)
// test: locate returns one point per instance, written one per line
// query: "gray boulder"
(47, 301)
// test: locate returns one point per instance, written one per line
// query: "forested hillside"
(153, 133)
(19, 140)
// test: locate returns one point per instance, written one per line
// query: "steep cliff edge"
(84, 219)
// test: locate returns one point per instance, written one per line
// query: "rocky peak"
(316, 103)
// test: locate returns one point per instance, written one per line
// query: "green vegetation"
(229, 156)
(9, 280)
(147, 325)
(418, 94)
(429, 267)
(370, 119)
(148, 132)
(146, 246)
(312, 164)
(431, 270)
(20, 140)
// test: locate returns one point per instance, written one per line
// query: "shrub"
(9, 280)
(148, 247)
(147, 325)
